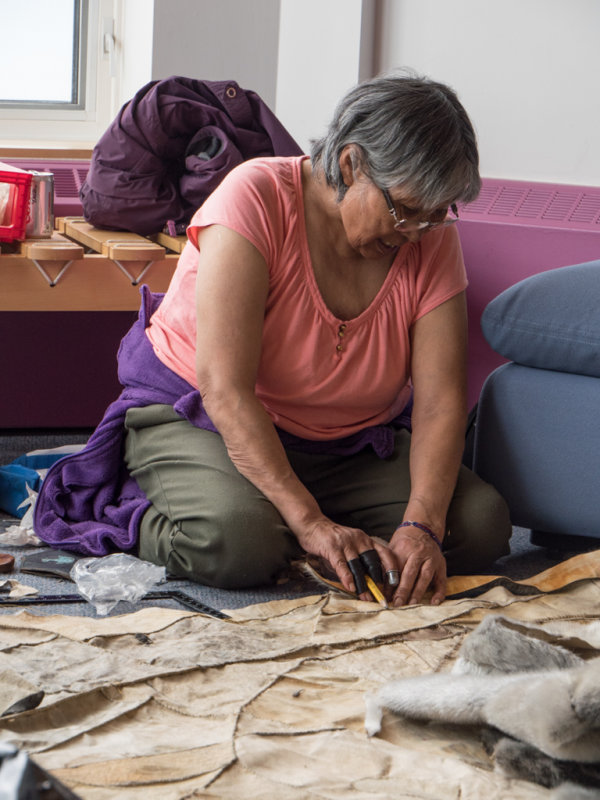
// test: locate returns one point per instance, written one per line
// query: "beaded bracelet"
(422, 527)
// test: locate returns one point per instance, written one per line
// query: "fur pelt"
(572, 791)
(542, 698)
(520, 760)
(499, 645)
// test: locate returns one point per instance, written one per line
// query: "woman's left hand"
(421, 564)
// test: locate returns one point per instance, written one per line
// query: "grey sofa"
(537, 435)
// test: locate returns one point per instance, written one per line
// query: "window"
(58, 76)
(58, 42)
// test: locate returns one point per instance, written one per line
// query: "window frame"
(27, 123)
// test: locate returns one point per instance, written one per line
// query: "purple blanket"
(88, 502)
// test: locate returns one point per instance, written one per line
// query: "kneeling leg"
(206, 521)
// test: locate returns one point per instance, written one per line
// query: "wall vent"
(69, 176)
(540, 204)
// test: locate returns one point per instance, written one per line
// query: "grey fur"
(410, 131)
(570, 791)
(519, 760)
(495, 646)
(552, 710)
(543, 698)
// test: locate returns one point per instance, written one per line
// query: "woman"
(316, 314)
(314, 298)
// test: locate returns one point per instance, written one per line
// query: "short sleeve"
(248, 202)
(440, 270)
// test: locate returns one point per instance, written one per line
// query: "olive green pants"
(208, 523)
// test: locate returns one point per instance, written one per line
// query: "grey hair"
(408, 131)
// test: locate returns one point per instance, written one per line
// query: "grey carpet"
(16, 442)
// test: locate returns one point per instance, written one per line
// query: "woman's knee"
(233, 549)
(479, 527)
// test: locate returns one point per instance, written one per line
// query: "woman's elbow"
(221, 398)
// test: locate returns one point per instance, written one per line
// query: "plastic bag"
(108, 580)
(22, 534)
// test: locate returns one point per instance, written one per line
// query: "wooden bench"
(82, 268)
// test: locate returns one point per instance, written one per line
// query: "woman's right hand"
(339, 545)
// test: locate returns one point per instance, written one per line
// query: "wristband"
(422, 527)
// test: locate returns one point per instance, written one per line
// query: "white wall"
(136, 51)
(218, 40)
(527, 71)
(299, 55)
(325, 47)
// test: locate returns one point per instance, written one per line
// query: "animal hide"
(541, 698)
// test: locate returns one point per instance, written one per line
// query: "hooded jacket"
(170, 146)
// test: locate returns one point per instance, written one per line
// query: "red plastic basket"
(15, 193)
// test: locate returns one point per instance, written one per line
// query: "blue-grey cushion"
(550, 320)
(537, 441)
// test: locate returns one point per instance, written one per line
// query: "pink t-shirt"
(319, 377)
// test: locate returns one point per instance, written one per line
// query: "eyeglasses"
(416, 225)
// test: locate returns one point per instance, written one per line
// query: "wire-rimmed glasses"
(405, 224)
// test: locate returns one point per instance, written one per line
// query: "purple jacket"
(90, 504)
(170, 146)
